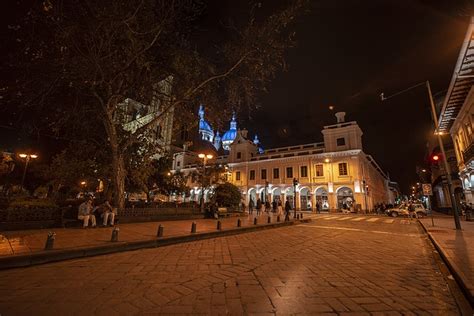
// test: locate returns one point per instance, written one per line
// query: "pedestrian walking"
(274, 206)
(259, 206)
(267, 206)
(251, 206)
(279, 208)
(287, 210)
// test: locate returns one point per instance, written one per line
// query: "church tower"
(343, 135)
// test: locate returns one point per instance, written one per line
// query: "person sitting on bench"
(108, 212)
(85, 213)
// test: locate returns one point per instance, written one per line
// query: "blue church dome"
(229, 136)
(256, 141)
(205, 130)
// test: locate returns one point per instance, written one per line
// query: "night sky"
(348, 52)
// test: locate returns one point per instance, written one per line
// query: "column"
(313, 202)
(298, 200)
(283, 199)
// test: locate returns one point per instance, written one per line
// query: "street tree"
(74, 63)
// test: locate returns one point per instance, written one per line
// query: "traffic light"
(435, 158)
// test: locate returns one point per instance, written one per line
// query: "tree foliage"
(79, 60)
(228, 195)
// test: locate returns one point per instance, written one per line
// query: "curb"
(455, 271)
(48, 256)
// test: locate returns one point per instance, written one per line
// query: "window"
(239, 155)
(237, 176)
(263, 174)
(252, 175)
(343, 169)
(276, 173)
(304, 171)
(178, 163)
(341, 141)
(289, 172)
(319, 171)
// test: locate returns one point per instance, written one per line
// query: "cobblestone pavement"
(457, 246)
(336, 264)
(31, 241)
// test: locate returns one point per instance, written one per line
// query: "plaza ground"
(335, 264)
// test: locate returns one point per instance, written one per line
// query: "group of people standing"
(88, 213)
(276, 207)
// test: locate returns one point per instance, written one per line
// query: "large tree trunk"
(118, 176)
(118, 161)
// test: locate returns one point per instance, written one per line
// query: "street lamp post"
(27, 158)
(204, 158)
(447, 168)
(295, 183)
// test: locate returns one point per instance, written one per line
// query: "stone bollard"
(269, 220)
(219, 225)
(278, 218)
(297, 216)
(115, 234)
(239, 223)
(50, 241)
(193, 228)
(160, 231)
(468, 216)
(255, 221)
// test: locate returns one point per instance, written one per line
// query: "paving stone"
(293, 270)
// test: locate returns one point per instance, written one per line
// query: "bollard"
(115, 233)
(50, 241)
(301, 215)
(278, 218)
(269, 220)
(193, 228)
(255, 221)
(219, 225)
(239, 223)
(160, 231)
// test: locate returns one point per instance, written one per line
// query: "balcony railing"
(468, 154)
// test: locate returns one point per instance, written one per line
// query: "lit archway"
(345, 198)
(305, 198)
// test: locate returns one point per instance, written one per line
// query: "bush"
(26, 202)
(227, 195)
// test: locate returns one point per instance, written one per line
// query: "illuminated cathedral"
(206, 133)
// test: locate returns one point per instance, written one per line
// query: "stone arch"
(252, 195)
(321, 198)
(305, 198)
(345, 198)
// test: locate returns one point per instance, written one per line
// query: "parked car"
(402, 210)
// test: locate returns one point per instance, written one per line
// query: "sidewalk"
(457, 248)
(19, 245)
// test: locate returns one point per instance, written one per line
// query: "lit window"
(263, 174)
(237, 176)
(343, 169)
(341, 141)
(289, 172)
(276, 173)
(252, 175)
(304, 171)
(319, 171)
